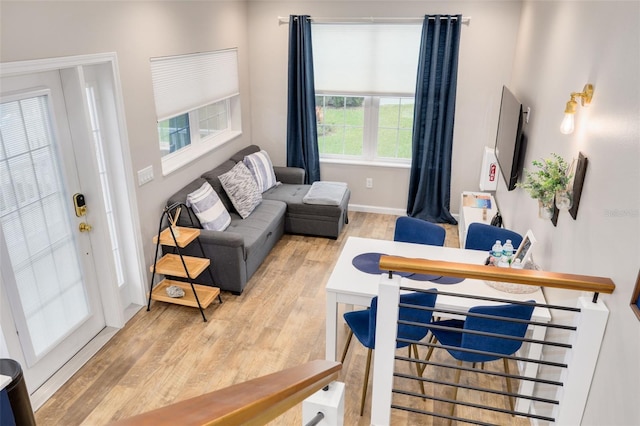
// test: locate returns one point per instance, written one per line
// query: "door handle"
(85, 227)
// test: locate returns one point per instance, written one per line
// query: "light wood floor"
(169, 353)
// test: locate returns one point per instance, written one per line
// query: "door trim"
(115, 314)
(8, 69)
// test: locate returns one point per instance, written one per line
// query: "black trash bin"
(17, 393)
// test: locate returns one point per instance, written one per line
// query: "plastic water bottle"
(517, 264)
(507, 252)
(496, 252)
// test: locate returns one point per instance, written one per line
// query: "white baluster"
(582, 359)
(386, 330)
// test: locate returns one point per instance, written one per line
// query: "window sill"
(391, 165)
(175, 161)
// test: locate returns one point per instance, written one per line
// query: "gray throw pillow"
(242, 189)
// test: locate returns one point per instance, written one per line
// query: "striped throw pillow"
(241, 189)
(261, 168)
(208, 208)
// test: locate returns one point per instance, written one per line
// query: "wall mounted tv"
(510, 143)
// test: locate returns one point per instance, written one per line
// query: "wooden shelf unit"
(180, 266)
(185, 237)
(206, 294)
(171, 264)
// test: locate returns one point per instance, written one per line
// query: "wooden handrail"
(492, 273)
(254, 402)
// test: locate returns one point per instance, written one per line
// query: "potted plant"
(548, 183)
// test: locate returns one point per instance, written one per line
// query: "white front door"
(47, 261)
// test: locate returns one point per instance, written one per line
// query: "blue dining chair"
(363, 325)
(481, 236)
(461, 345)
(414, 230)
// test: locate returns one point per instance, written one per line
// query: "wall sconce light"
(586, 95)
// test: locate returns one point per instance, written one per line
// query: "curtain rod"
(366, 20)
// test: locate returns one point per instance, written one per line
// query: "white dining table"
(349, 285)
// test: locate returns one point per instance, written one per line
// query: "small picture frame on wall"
(635, 298)
(578, 183)
(524, 249)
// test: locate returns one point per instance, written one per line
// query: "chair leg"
(506, 370)
(455, 392)
(366, 381)
(433, 341)
(419, 368)
(346, 346)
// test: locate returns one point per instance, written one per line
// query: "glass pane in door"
(37, 229)
(96, 130)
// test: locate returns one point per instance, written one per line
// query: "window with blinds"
(197, 99)
(365, 79)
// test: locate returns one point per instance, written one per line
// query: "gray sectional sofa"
(238, 251)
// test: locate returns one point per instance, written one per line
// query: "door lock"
(80, 204)
(85, 227)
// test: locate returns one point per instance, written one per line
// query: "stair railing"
(588, 329)
(254, 402)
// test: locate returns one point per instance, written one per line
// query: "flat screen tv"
(509, 148)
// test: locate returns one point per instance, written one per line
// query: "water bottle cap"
(497, 241)
(508, 241)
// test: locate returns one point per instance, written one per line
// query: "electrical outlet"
(145, 175)
(369, 183)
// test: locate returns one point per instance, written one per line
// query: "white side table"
(470, 212)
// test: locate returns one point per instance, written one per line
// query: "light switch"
(145, 175)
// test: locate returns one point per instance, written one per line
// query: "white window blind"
(187, 82)
(366, 58)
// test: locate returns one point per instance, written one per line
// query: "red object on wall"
(489, 171)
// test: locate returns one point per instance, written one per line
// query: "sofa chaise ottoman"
(302, 218)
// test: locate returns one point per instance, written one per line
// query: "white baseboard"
(384, 210)
(376, 209)
(131, 310)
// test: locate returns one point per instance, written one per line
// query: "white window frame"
(371, 107)
(200, 146)
(182, 84)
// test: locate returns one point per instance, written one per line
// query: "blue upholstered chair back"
(413, 230)
(492, 344)
(363, 323)
(481, 236)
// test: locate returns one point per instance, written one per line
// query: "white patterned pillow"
(261, 168)
(242, 189)
(207, 206)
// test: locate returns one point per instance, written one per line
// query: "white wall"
(561, 47)
(487, 50)
(136, 31)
